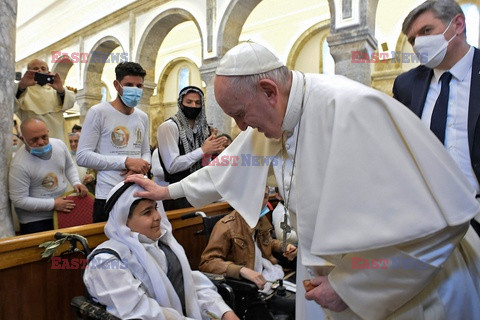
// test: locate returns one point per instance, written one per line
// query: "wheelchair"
(243, 295)
(83, 307)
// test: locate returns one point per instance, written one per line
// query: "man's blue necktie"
(439, 115)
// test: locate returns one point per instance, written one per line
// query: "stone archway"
(62, 65)
(158, 106)
(148, 48)
(232, 23)
(229, 31)
(154, 35)
(92, 80)
(304, 38)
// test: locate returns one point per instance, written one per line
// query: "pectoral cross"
(286, 230)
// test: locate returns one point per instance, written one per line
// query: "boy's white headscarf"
(116, 229)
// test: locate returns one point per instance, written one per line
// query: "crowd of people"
(361, 179)
(112, 144)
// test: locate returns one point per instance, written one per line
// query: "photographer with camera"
(41, 94)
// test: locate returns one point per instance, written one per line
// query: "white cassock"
(371, 183)
(43, 102)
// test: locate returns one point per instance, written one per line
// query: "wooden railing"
(36, 288)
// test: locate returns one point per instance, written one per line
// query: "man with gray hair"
(443, 91)
(379, 207)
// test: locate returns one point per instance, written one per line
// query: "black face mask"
(191, 113)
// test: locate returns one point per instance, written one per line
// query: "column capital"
(346, 45)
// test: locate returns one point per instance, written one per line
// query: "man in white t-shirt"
(114, 138)
(38, 178)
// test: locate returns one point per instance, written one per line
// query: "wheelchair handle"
(193, 215)
(73, 238)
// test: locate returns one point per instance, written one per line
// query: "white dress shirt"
(456, 132)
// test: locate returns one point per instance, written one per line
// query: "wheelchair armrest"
(85, 307)
(215, 278)
(223, 288)
(242, 285)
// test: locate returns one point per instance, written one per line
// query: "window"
(472, 19)
(328, 64)
(183, 78)
(104, 93)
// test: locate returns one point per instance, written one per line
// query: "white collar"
(461, 70)
(294, 105)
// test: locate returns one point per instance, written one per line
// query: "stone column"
(8, 16)
(347, 48)
(352, 37)
(215, 115)
(86, 101)
(144, 105)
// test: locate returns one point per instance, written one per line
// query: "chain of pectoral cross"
(284, 225)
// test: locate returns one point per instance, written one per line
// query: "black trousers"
(36, 226)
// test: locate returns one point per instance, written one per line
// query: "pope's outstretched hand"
(152, 190)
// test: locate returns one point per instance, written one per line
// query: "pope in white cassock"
(379, 207)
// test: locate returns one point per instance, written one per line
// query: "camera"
(43, 78)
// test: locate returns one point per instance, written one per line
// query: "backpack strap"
(103, 250)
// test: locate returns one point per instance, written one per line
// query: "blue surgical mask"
(131, 96)
(44, 152)
(264, 211)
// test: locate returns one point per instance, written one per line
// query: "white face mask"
(432, 48)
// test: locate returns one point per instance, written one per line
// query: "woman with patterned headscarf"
(184, 141)
(142, 272)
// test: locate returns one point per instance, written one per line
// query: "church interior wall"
(166, 35)
(284, 26)
(58, 20)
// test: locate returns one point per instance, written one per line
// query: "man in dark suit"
(444, 90)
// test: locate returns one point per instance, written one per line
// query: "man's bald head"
(34, 132)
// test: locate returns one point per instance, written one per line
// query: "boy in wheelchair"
(142, 272)
(237, 251)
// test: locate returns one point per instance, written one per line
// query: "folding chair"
(80, 215)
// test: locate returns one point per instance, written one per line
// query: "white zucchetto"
(247, 58)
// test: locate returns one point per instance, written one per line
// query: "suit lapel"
(420, 90)
(474, 104)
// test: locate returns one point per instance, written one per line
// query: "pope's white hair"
(247, 84)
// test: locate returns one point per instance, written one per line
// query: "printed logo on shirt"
(50, 181)
(138, 140)
(120, 136)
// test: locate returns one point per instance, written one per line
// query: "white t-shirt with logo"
(108, 138)
(35, 183)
